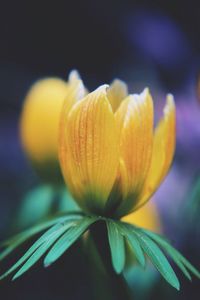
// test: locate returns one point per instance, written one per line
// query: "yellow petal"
(89, 154)
(135, 121)
(163, 150)
(75, 92)
(117, 92)
(147, 217)
(74, 75)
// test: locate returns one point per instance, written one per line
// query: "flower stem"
(107, 284)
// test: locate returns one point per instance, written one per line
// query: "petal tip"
(121, 83)
(143, 96)
(146, 90)
(146, 98)
(170, 99)
(170, 104)
(103, 88)
(74, 75)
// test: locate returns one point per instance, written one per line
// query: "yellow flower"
(147, 217)
(39, 126)
(111, 157)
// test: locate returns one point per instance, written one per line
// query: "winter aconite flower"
(40, 121)
(111, 157)
(113, 161)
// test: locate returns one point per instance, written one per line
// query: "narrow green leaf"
(135, 245)
(175, 254)
(172, 252)
(117, 247)
(48, 242)
(178, 262)
(20, 238)
(58, 228)
(188, 265)
(68, 239)
(158, 259)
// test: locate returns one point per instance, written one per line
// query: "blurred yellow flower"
(39, 126)
(147, 217)
(111, 158)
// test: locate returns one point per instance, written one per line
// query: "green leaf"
(188, 265)
(117, 247)
(169, 250)
(178, 258)
(178, 262)
(158, 259)
(20, 238)
(48, 242)
(56, 229)
(135, 245)
(68, 239)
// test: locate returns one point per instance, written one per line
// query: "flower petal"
(74, 75)
(117, 92)
(75, 92)
(163, 150)
(135, 120)
(89, 150)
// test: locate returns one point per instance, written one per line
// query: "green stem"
(107, 284)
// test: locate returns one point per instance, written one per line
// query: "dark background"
(154, 43)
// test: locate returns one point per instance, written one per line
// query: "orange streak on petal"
(89, 150)
(75, 92)
(135, 125)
